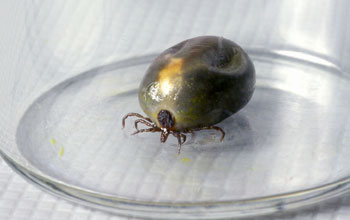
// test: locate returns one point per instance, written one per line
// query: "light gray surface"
(37, 38)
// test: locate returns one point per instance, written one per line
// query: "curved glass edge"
(203, 210)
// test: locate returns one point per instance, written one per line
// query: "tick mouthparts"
(165, 119)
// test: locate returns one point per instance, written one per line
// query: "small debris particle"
(61, 151)
(53, 141)
(185, 160)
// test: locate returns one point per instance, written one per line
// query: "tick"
(194, 85)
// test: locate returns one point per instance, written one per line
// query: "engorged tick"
(193, 86)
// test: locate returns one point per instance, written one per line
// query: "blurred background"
(43, 43)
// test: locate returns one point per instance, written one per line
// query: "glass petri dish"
(286, 149)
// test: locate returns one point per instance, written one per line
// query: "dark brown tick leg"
(190, 132)
(146, 130)
(213, 128)
(135, 115)
(183, 137)
(179, 141)
(149, 124)
(164, 136)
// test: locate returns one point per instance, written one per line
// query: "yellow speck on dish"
(61, 151)
(53, 141)
(186, 160)
(251, 169)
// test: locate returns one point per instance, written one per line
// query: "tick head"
(165, 119)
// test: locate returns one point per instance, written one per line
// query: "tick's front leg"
(134, 115)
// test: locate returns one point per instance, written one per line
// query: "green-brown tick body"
(193, 86)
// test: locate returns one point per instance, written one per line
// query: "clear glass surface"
(71, 72)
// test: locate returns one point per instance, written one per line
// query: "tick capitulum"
(167, 122)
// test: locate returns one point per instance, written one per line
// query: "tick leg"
(189, 131)
(149, 124)
(135, 115)
(164, 136)
(179, 141)
(146, 130)
(214, 128)
(183, 137)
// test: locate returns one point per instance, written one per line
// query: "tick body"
(193, 86)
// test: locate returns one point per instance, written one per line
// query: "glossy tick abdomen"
(201, 81)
